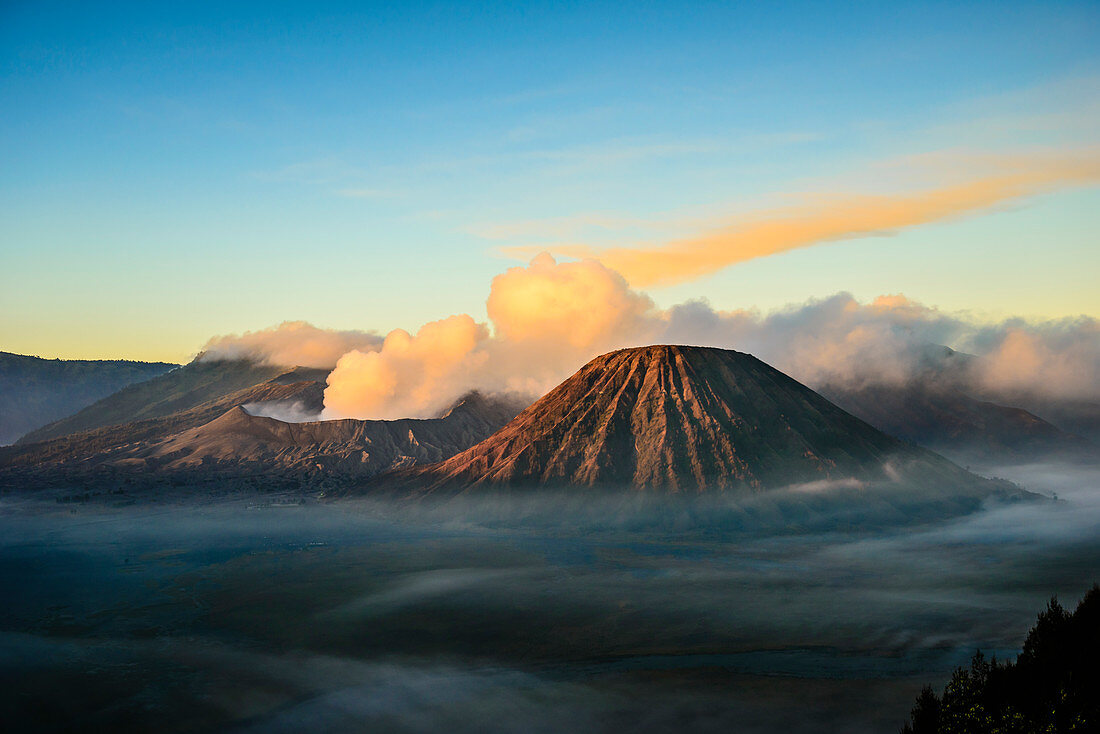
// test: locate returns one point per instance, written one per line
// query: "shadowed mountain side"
(690, 419)
(36, 391)
(961, 427)
(179, 390)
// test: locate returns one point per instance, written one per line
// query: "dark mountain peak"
(945, 418)
(682, 418)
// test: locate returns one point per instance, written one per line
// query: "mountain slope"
(348, 448)
(36, 391)
(89, 448)
(220, 441)
(686, 419)
(180, 389)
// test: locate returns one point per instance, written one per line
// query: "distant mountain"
(36, 391)
(692, 419)
(947, 420)
(181, 389)
(1078, 417)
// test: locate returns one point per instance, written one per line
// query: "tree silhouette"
(1052, 687)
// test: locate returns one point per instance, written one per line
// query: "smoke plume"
(410, 376)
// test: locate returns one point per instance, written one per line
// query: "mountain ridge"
(221, 440)
(179, 389)
(349, 447)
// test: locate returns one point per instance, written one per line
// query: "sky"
(173, 171)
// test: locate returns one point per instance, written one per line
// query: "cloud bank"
(411, 375)
(894, 340)
(291, 343)
(548, 318)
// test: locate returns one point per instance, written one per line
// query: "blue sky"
(172, 171)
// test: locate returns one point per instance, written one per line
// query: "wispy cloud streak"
(823, 218)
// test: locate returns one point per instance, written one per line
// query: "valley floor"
(278, 611)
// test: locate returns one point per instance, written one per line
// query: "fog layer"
(536, 613)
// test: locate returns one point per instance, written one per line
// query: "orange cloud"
(574, 305)
(825, 218)
(1058, 359)
(410, 375)
(548, 319)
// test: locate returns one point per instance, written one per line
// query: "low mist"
(522, 611)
